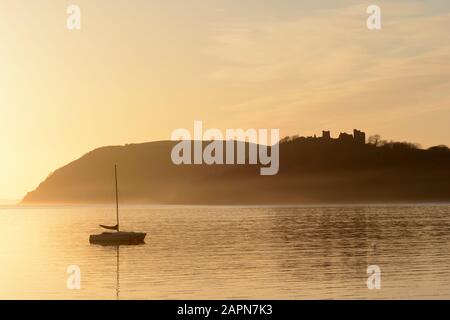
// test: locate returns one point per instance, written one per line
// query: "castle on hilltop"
(358, 137)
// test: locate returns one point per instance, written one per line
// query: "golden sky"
(139, 69)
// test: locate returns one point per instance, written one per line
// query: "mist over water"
(228, 252)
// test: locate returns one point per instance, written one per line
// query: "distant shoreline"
(306, 205)
(8, 202)
(312, 171)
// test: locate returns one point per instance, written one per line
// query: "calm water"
(228, 253)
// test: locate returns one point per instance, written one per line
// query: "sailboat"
(118, 237)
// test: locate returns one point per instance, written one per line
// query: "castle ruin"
(358, 137)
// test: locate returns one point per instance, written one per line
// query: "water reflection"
(118, 273)
(229, 252)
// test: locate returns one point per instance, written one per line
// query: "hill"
(312, 170)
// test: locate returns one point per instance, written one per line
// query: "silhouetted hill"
(311, 171)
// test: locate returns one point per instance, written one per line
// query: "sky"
(138, 70)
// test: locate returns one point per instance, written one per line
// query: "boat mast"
(117, 198)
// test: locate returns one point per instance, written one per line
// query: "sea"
(231, 252)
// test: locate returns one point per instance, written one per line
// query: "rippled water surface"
(228, 252)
